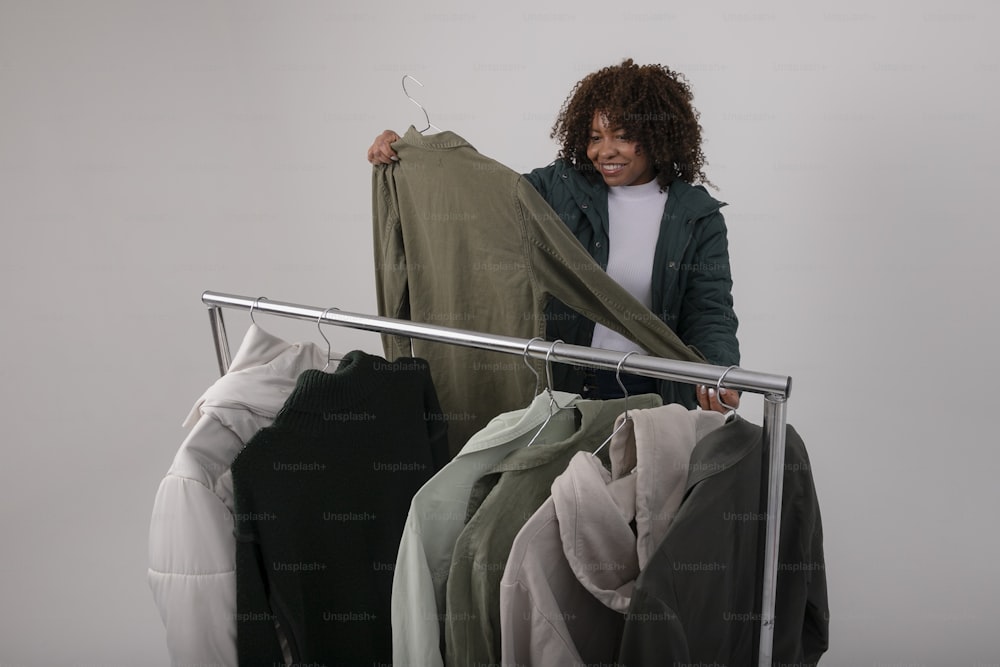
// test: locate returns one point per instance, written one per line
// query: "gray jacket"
(697, 600)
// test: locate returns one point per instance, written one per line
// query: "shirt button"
(565, 176)
(584, 207)
(597, 245)
(671, 264)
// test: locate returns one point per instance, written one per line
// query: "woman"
(625, 182)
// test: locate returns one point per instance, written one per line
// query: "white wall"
(150, 151)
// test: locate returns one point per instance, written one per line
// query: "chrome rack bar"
(774, 435)
(219, 336)
(775, 388)
(667, 369)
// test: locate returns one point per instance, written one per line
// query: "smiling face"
(618, 159)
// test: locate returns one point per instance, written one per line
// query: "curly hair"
(651, 103)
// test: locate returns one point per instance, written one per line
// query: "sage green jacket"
(465, 242)
(691, 280)
(500, 503)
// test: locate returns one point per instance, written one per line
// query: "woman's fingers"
(708, 398)
(381, 151)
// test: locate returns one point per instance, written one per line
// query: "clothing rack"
(775, 389)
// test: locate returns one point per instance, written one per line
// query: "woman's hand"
(708, 398)
(381, 151)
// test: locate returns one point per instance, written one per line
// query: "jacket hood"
(594, 513)
(261, 377)
(594, 508)
(656, 450)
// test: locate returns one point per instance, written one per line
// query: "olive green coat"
(463, 241)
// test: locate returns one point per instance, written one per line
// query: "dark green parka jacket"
(691, 281)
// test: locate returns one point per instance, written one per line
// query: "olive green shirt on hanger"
(463, 241)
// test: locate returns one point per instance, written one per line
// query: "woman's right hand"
(381, 150)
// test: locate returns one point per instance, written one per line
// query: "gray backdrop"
(150, 151)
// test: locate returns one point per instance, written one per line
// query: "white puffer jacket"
(192, 561)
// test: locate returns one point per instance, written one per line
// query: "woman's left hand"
(708, 398)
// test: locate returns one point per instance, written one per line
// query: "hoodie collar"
(655, 446)
(594, 513)
(691, 202)
(594, 507)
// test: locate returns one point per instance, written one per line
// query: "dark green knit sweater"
(321, 499)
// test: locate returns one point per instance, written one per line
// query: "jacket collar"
(441, 141)
(722, 449)
(261, 376)
(534, 456)
(502, 429)
(692, 201)
(595, 417)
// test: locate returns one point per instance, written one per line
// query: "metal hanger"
(255, 304)
(538, 378)
(548, 388)
(618, 377)
(731, 415)
(419, 105)
(329, 348)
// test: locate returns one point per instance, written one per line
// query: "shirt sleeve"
(391, 269)
(560, 267)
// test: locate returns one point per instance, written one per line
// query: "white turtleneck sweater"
(634, 214)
